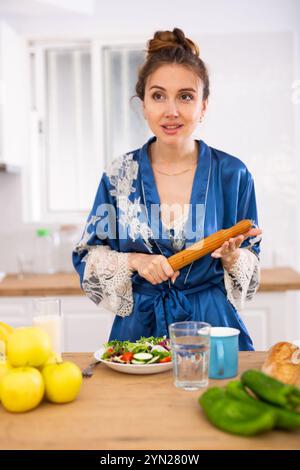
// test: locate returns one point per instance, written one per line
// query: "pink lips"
(172, 131)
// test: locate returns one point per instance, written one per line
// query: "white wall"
(197, 18)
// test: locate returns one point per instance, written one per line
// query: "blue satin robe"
(223, 189)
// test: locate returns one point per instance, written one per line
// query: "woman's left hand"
(229, 251)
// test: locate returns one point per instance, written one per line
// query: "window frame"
(35, 204)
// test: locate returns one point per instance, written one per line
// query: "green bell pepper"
(234, 416)
(271, 390)
(285, 419)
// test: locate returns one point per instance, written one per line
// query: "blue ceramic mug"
(224, 348)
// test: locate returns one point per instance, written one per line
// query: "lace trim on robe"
(122, 172)
(243, 279)
(175, 230)
(107, 279)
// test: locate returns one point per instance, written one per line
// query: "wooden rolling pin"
(208, 244)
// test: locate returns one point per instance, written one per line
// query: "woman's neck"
(162, 154)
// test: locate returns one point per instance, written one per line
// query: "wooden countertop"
(122, 411)
(272, 280)
(40, 285)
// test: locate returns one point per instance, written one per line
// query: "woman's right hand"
(154, 268)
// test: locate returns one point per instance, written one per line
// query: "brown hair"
(168, 47)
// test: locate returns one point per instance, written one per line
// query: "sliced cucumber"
(133, 361)
(143, 356)
(154, 359)
(118, 359)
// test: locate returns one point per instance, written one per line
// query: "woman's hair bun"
(169, 39)
(171, 47)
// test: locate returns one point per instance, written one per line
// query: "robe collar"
(198, 195)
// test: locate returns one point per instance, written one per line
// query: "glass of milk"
(47, 315)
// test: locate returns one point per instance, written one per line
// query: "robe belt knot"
(165, 304)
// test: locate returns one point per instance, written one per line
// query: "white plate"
(134, 368)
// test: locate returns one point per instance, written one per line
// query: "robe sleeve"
(242, 281)
(103, 269)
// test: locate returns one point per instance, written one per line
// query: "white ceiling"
(46, 8)
(140, 18)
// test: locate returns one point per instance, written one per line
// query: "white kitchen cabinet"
(14, 98)
(16, 311)
(85, 326)
(270, 317)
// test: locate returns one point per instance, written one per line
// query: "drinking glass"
(190, 344)
(48, 316)
(25, 265)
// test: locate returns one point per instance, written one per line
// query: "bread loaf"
(283, 363)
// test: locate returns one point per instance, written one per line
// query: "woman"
(161, 198)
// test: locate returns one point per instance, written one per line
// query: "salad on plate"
(142, 352)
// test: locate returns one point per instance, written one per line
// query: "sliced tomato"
(127, 357)
(109, 351)
(166, 359)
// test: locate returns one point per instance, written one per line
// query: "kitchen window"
(81, 117)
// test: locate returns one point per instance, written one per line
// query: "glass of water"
(190, 343)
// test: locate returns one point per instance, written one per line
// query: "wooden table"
(122, 411)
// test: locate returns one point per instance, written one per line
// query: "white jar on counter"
(44, 253)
